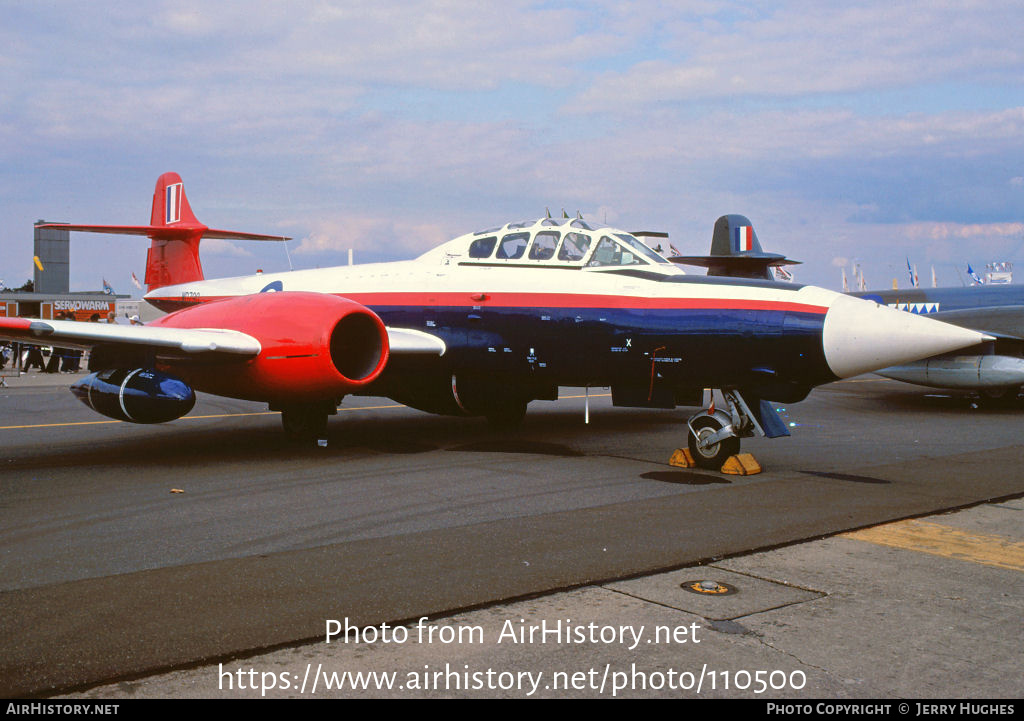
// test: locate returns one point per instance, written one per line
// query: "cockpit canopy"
(548, 242)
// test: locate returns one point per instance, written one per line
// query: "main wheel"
(506, 414)
(304, 423)
(714, 456)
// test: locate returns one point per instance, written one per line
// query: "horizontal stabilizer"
(736, 252)
(175, 231)
(161, 231)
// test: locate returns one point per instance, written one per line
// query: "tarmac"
(918, 609)
(879, 557)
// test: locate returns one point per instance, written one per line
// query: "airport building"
(51, 296)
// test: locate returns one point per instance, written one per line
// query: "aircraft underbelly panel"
(578, 346)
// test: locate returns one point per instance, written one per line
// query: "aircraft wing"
(187, 341)
(72, 334)
(1005, 321)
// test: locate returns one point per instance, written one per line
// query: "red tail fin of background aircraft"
(174, 253)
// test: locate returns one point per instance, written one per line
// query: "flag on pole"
(35, 259)
(913, 275)
(107, 288)
(974, 276)
(846, 286)
(783, 274)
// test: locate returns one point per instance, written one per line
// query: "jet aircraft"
(482, 325)
(995, 369)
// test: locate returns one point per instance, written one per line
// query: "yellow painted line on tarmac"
(945, 541)
(233, 415)
(57, 425)
(185, 418)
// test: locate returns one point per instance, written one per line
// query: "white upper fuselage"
(524, 259)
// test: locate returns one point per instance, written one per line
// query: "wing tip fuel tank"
(861, 336)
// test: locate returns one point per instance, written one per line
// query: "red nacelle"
(314, 347)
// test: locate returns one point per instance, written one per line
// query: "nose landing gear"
(715, 433)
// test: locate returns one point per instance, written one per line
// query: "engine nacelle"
(314, 346)
(136, 395)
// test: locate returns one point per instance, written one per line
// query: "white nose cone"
(862, 336)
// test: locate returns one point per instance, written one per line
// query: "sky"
(849, 133)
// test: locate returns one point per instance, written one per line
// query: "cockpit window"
(521, 224)
(544, 244)
(574, 247)
(513, 246)
(610, 252)
(640, 248)
(549, 221)
(483, 247)
(487, 232)
(579, 223)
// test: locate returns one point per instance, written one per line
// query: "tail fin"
(176, 232)
(174, 254)
(736, 252)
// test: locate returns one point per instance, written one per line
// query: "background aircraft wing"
(1006, 321)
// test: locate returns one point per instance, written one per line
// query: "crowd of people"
(46, 359)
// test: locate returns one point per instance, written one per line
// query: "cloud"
(216, 246)
(799, 48)
(961, 231)
(385, 236)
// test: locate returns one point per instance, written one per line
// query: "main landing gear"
(715, 432)
(306, 421)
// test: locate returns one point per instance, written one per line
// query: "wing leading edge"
(73, 334)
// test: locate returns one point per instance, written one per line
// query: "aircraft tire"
(304, 423)
(507, 415)
(714, 456)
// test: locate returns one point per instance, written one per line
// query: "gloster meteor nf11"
(483, 325)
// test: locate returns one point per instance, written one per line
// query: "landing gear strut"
(306, 421)
(715, 433)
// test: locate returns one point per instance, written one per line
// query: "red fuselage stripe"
(549, 300)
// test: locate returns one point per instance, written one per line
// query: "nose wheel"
(715, 434)
(706, 451)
